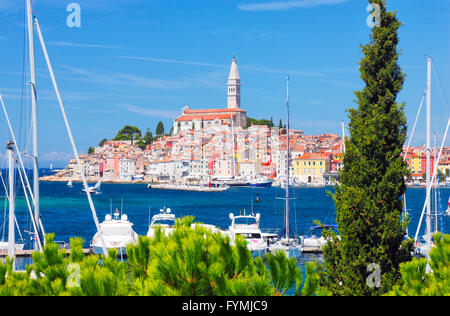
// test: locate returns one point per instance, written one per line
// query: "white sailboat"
(70, 183)
(95, 189)
(33, 193)
(248, 227)
(426, 242)
(289, 245)
(447, 212)
(31, 26)
(117, 232)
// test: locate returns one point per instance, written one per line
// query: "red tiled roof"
(307, 156)
(212, 111)
(209, 117)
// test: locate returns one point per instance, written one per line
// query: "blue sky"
(140, 61)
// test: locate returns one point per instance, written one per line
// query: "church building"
(216, 117)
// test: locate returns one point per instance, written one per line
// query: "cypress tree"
(160, 129)
(368, 203)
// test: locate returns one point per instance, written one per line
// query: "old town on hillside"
(209, 144)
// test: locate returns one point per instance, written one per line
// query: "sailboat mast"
(287, 158)
(436, 184)
(33, 115)
(11, 227)
(428, 152)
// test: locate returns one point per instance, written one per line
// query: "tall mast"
(33, 115)
(436, 183)
(287, 159)
(428, 152)
(11, 227)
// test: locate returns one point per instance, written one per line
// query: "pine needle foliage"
(417, 281)
(190, 261)
(368, 202)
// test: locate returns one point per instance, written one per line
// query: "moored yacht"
(313, 240)
(117, 232)
(248, 227)
(261, 182)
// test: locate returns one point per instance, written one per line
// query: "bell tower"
(234, 87)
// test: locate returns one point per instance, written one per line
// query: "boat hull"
(261, 185)
(121, 251)
(259, 252)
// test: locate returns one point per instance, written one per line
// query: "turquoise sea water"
(66, 213)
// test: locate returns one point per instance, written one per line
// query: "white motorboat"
(95, 189)
(421, 246)
(426, 243)
(4, 246)
(117, 233)
(165, 220)
(248, 227)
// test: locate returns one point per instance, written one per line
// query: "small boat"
(165, 220)
(248, 227)
(70, 184)
(421, 247)
(289, 245)
(139, 177)
(95, 189)
(447, 212)
(261, 182)
(117, 233)
(313, 241)
(4, 246)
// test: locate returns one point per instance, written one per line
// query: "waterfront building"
(311, 167)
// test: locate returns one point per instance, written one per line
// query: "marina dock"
(313, 250)
(182, 187)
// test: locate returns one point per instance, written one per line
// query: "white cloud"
(123, 79)
(6, 4)
(287, 5)
(151, 112)
(251, 68)
(54, 156)
(172, 61)
(71, 44)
